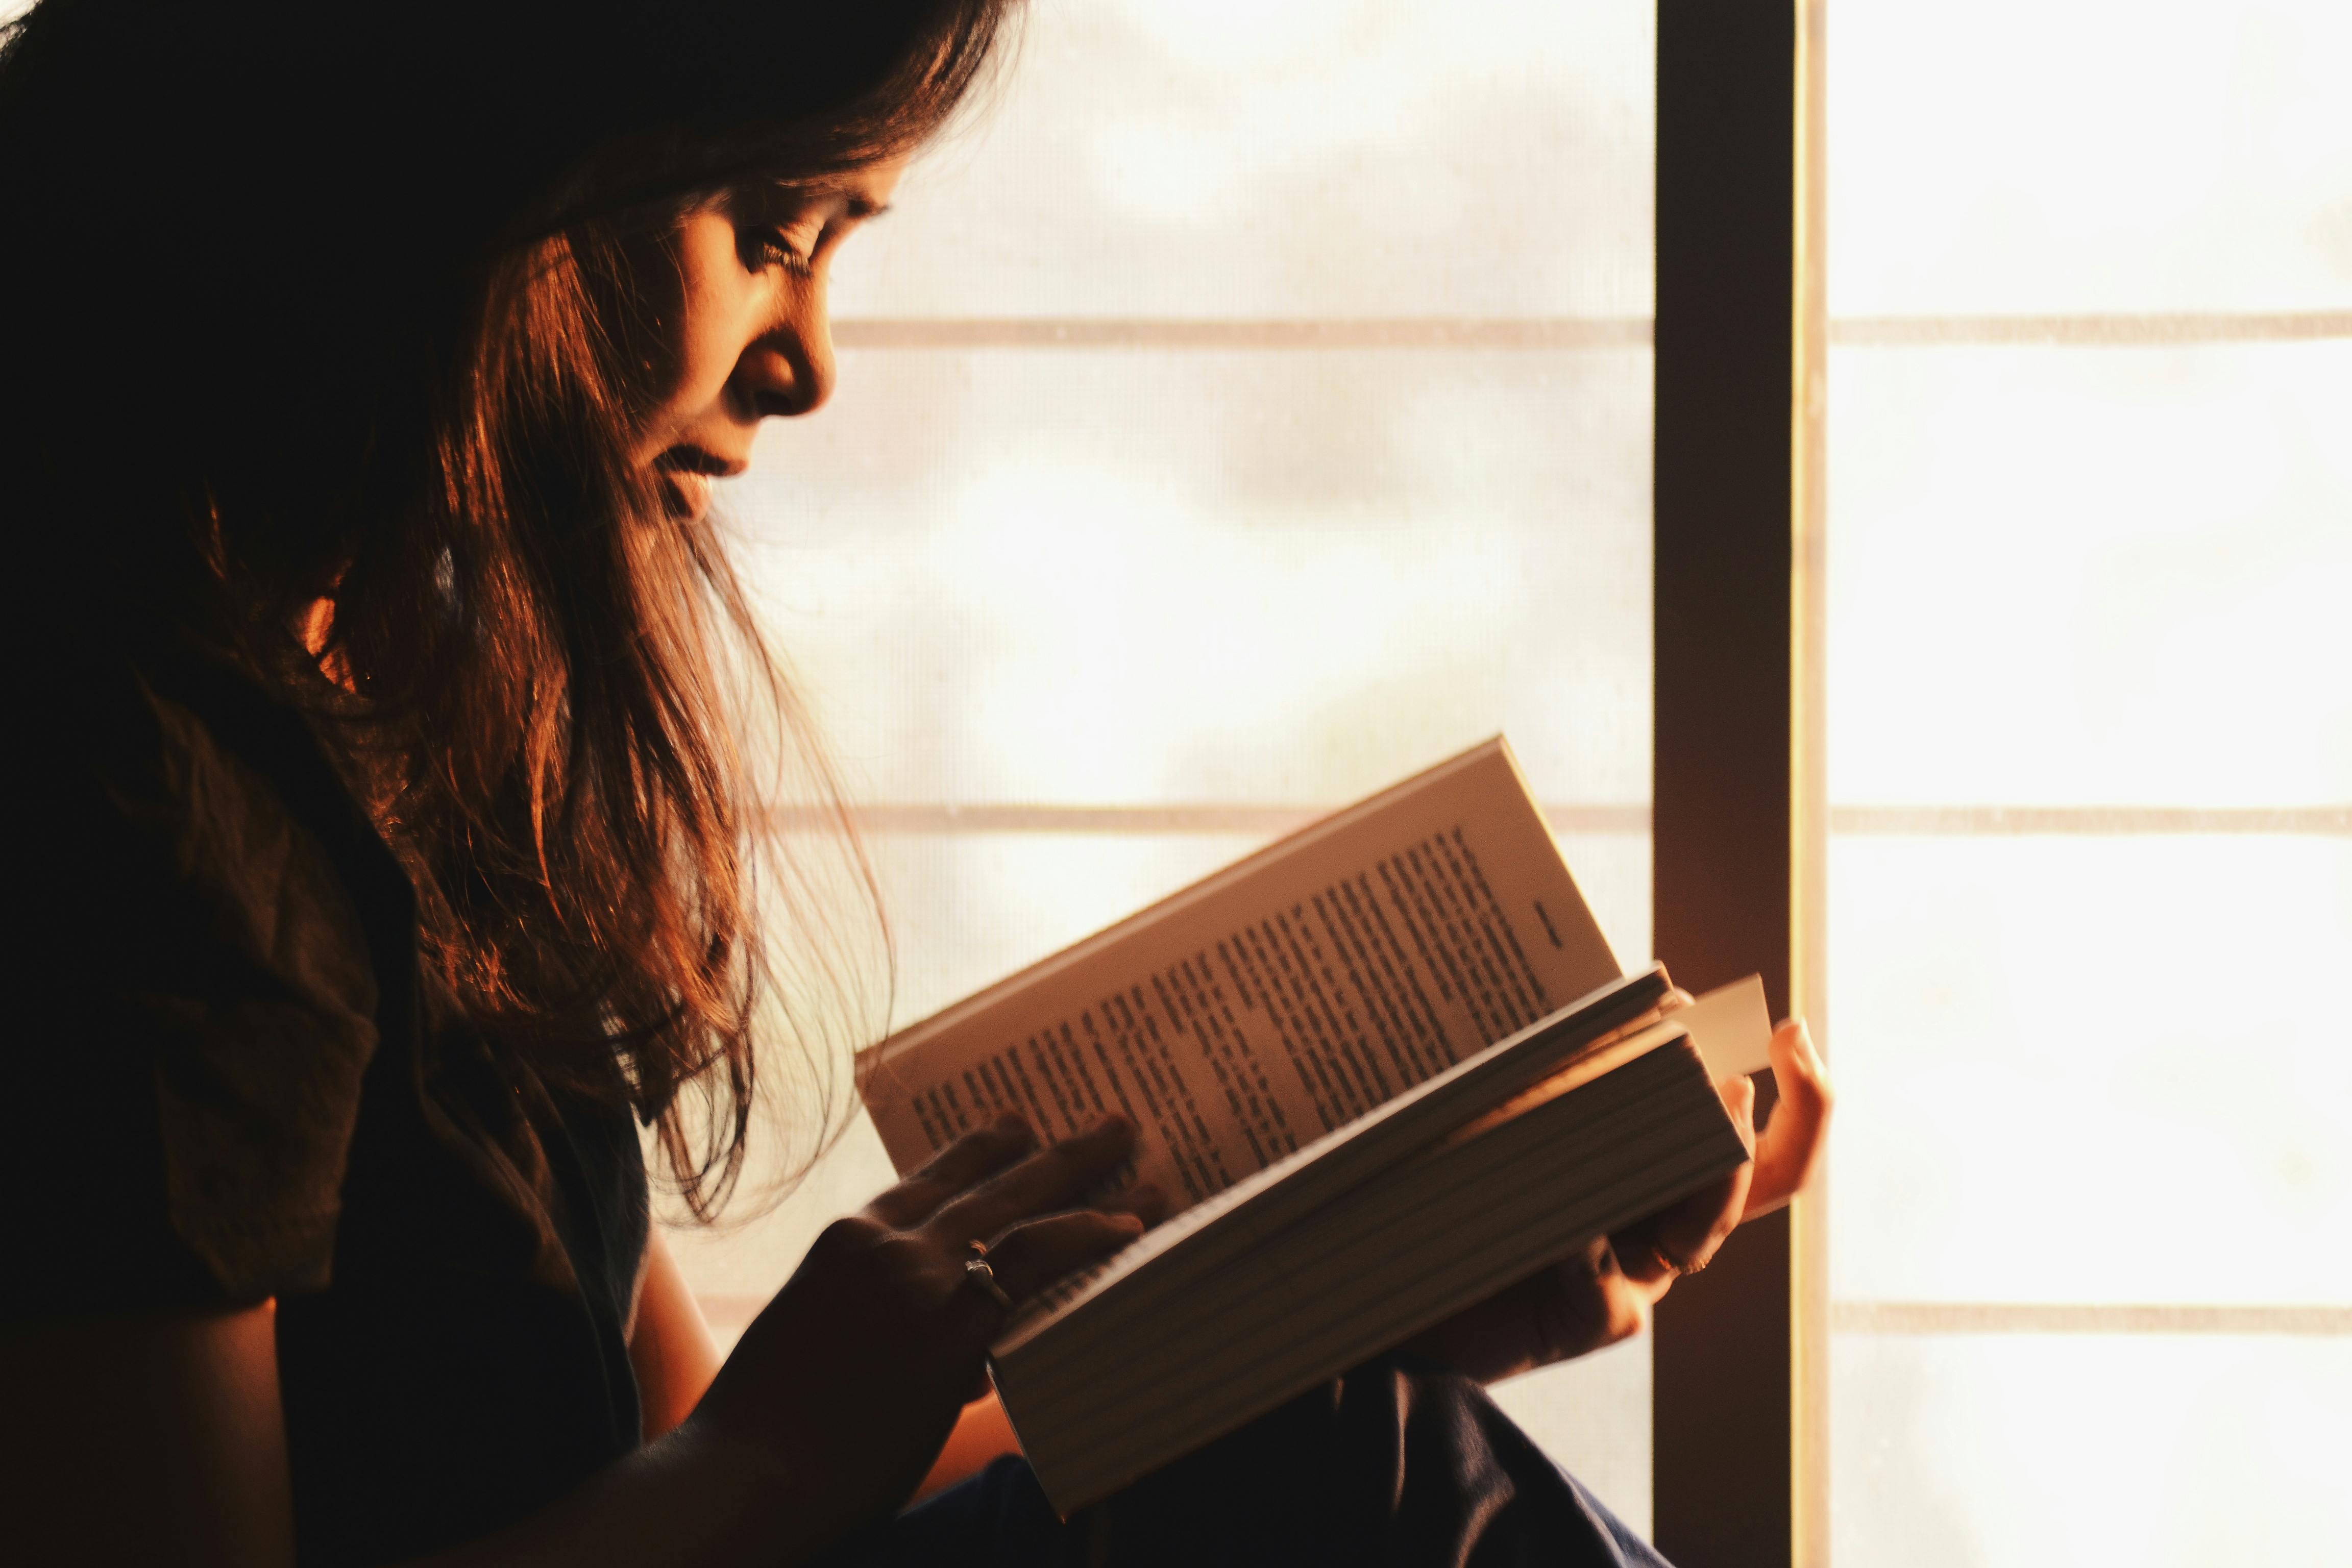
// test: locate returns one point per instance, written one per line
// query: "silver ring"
(978, 1272)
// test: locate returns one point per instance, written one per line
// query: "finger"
(973, 1157)
(1681, 1239)
(1789, 1150)
(1586, 1302)
(1032, 1256)
(1053, 1178)
(1738, 1093)
(1145, 1201)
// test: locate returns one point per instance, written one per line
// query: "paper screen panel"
(1134, 578)
(2090, 780)
(1316, 159)
(2098, 156)
(2090, 576)
(2091, 1069)
(2159, 1450)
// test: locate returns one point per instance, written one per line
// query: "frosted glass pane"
(2092, 1069)
(1316, 158)
(2090, 576)
(2035, 156)
(2156, 1451)
(1131, 577)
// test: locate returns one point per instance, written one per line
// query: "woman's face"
(737, 331)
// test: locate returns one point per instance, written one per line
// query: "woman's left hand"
(1604, 1293)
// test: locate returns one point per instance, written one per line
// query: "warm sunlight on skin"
(745, 337)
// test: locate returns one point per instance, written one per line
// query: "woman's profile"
(391, 734)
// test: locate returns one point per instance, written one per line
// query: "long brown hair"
(391, 250)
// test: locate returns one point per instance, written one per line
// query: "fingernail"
(1129, 1222)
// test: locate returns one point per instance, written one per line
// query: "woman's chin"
(684, 496)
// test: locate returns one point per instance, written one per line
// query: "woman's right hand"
(1604, 1293)
(852, 1376)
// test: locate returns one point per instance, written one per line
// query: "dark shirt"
(225, 1085)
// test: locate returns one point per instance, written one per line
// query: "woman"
(373, 668)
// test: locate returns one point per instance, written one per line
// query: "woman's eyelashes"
(768, 246)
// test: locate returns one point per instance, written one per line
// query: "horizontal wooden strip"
(2087, 820)
(1882, 821)
(2122, 331)
(1179, 332)
(2050, 1318)
(1242, 821)
(730, 1313)
(2093, 331)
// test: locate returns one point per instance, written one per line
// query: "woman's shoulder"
(169, 829)
(195, 998)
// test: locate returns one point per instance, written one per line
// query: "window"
(2089, 756)
(1254, 408)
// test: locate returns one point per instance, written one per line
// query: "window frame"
(1738, 1468)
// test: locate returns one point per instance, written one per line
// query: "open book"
(1383, 1069)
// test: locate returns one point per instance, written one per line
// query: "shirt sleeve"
(194, 1008)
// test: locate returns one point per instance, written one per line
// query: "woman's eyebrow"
(803, 193)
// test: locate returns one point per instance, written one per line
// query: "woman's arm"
(161, 1441)
(671, 1344)
(145, 1439)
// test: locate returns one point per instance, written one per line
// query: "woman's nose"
(789, 369)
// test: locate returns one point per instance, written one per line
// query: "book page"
(1731, 1026)
(1278, 999)
(1591, 1038)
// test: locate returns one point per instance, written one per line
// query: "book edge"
(1067, 1497)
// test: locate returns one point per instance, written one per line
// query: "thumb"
(1791, 1149)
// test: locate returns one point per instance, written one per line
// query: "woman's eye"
(772, 247)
